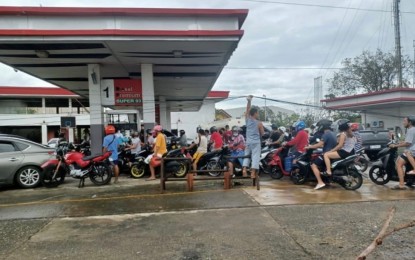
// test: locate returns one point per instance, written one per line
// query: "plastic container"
(288, 163)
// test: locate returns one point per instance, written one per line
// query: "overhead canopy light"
(42, 53)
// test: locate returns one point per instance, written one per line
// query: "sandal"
(320, 186)
(397, 187)
(411, 172)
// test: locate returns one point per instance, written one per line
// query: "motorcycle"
(362, 161)
(139, 167)
(75, 164)
(278, 168)
(384, 170)
(344, 171)
(301, 170)
(212, 161)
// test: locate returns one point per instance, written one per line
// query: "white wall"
(189, 121)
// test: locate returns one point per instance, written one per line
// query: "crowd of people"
(297, 137)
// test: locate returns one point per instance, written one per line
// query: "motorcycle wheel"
(213, 165)
(47, 176)
(182, 169)
(138, 170)
(101, 174)
(362, 163)
(298, 177)
(379, 175)
(353, 180)
(276, 173)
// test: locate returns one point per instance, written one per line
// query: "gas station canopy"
(187, 48)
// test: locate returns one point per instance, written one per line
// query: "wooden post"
(227, 180)
(190, 179)
(162, 180)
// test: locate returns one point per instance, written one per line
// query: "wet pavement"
(132, 220)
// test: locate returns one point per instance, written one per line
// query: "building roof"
(397, 97)
(188, 48)
(36, 92)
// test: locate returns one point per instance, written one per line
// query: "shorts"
(196, 157)
(319, 162)
(236, 154)
(255, 151)
(114, 162)
(403, 156)
(343, 154)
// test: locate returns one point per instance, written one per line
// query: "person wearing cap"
(160, 148)
(343, 149)
(150, 138)
(275, 136)
(359, 142)
(111, 143)
(328, 141)
(216, 139)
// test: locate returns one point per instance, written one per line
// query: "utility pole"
(413, 80)
(397, 41)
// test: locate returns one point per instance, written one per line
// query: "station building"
(379, 110)
(123, 58)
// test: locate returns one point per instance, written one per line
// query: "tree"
(367, 73)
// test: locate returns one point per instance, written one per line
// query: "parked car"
(53, 142)
(20, 160)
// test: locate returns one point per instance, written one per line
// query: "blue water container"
(288, 163)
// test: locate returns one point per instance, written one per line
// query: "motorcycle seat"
(90, 157)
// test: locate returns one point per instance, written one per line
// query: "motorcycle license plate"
(375, 147)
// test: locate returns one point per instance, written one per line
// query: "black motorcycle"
(301, 171)
(138, 167)
(385, 169)
(344, 172)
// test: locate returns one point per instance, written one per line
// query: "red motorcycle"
(277, 167)
(78, 166)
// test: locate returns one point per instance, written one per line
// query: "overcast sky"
(283, 34)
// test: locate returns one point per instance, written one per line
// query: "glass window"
(6, 147)
(22, 146)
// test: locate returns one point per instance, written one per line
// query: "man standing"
(254, 132)
(409, 143)
(111, 143)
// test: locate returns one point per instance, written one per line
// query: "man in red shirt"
(300, 141)
(215, 139)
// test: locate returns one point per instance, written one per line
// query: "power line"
(323, 6)
(280, 68)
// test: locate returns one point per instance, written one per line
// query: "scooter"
(278, 168)
(78, 166)
(139, 168)
(384, 170)
(344, 171)
(301, 171)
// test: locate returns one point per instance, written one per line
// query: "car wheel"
(28, 177)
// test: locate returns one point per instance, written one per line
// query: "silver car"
(20, 160)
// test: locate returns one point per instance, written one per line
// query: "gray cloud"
(279, 36)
